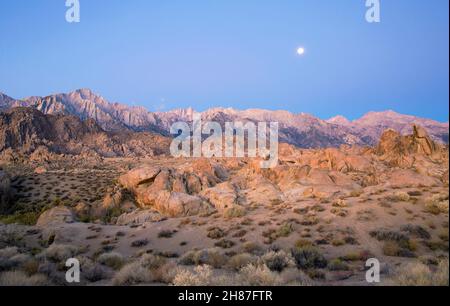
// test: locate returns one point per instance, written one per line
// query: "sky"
(170, 54)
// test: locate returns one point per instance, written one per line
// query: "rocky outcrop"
(174, 192)
(139, 217)
(402, 151)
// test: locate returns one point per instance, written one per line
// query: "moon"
(301, 51)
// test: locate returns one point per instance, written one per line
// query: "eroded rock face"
(409, 178)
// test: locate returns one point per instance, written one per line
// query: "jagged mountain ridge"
(302, 130)
(25, 130)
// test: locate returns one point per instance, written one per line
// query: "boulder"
(139, 176)
(222, 196)
(56, 216)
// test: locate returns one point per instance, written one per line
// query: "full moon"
(301, 51)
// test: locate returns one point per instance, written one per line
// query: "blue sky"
(235, 53)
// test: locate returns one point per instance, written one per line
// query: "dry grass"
(132, 274)
(239, 261)
(19, 278)
(235, 212)
(258, 275)
(418, 274)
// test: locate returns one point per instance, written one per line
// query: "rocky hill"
(26, 129)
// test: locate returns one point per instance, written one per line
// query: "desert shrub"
(19, 278)
(132, 274)
(224, 244)
(9, 252)
(211, 257)
(113, 260)
(277, 261)
(391, 248)
(285, 230)
(258, 275)
(216, 233)
(340, 212)
(416, 230)
(340, 203)
(337, 265)
(338, 242)
(139, 243)
(310, 220)
(303, 243)
(201, 276)
(165, 234)
(356, 256)
(7, 255)
(166, 273)
(295, 277)
(418, 274)
(384, 235)
(443, 235)
(399, 196)
(152, 262)
(415, 193)
(239, 261)
(437, 204)
(316, 274)
(435, 245)
(308, 258)
(31, 266)
(252, 248)
(92, 271)
(443, 206)
(394, 249)
(234, 212)
(188, 259)
(356, 193)
(59, 252)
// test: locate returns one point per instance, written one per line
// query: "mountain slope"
(302, 130)
(26, 129)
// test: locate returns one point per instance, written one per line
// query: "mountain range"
(302, 130)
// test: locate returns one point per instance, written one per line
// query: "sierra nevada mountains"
(302, 130)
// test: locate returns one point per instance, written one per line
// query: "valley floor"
(291, 240)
